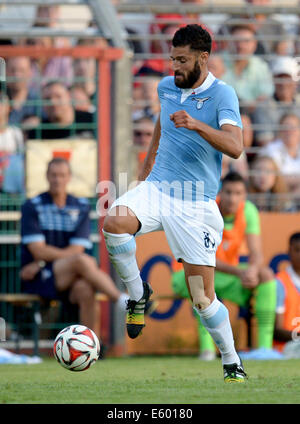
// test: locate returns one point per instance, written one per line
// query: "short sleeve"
(252, 218)
(228, 107)
(280, 297)
(30, 226)
(81, 235)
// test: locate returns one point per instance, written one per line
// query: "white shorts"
(193, 229)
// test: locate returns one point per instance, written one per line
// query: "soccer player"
(235, 282)
(199, 120)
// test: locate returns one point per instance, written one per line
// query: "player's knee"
(199, 297)
(266, 274)
(120, 222)
(113, 224)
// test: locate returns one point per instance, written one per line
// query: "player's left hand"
(182, 119)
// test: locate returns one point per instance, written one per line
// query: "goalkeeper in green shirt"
(233, 281)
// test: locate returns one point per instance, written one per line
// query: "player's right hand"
(182, 119)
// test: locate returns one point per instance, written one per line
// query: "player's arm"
(150, 157)
(228, 139)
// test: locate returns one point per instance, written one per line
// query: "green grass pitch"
(139, 380)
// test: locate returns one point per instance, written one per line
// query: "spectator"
(162, 47)
(269, 29)
(235, 283)
(247, 129)
(150, 102)
(239, 165)
(142, 136)
(288, 297)
(81, 100)
(85, 75)
(285, 100)
(49, 17)
(59, 111)
(46, 68)
(266, 28)
(248, 74)
(85, 69)
(166, 25)
(11, 151)
(285, 151)
(55, 231)
(23, 100)
(267, 188)
(216, 65)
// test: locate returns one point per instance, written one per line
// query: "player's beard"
(191, 79)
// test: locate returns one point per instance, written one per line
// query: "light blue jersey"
(183, 155)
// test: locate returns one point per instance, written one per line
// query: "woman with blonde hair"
(267, 188)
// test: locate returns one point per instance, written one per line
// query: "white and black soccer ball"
(76, 348)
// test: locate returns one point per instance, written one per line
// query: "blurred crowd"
(257, 56)
(44, 98)
(56, 97)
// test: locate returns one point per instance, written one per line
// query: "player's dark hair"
(295, 238)
(233, 177)
(58, 161)
(194, 36)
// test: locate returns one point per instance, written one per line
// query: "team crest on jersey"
(200, 102)
(74, 214)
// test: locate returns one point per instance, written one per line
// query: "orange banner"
(173, 328)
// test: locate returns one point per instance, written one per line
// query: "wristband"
(41, 264)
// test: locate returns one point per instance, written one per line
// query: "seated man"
(235, 283)
(62, 120)
(288, 298)
(55, 232)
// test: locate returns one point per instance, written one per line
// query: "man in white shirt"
(286, 151)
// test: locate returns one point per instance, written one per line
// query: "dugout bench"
(33, 303)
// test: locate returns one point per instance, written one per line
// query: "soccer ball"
(76, 348)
